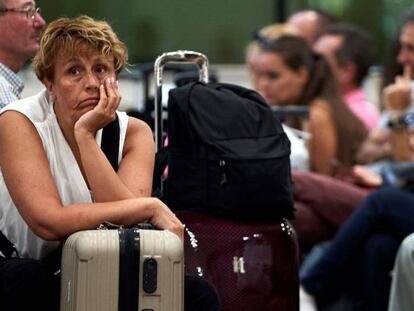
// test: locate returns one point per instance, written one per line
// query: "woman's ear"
(49, 87)
(303, 75)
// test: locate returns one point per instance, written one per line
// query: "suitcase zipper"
(223, 176)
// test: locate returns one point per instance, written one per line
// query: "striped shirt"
(11, 86)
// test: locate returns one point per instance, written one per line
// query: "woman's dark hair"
(297, 54)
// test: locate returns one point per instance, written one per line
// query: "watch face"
(400, 122)
(409, 119)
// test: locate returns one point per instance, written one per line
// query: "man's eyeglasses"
(30, 12)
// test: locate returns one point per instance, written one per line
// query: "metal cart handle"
(173, 57)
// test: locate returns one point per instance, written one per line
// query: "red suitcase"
(253, 266)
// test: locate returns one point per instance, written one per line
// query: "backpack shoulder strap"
(110, 142)
(161, 162)
(6, 247)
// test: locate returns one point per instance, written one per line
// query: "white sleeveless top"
(64, 168)
(299, 154)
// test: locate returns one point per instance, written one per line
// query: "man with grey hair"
(20, 26)
(23, 282)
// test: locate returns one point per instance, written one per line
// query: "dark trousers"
(322, 205)
(200, 295)
(387, 212)
(378, 258)
(27, 284)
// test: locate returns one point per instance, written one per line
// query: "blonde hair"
(70, 34)
(267, 33)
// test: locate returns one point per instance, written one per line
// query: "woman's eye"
(272, 75)
(100, 69)
(73, 71)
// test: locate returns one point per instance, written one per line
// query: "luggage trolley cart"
(253, 266)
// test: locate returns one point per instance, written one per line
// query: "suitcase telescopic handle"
(196, 58)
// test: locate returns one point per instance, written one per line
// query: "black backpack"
(227, 154)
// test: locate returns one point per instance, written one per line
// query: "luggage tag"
(106, 225)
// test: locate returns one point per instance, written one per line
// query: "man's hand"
(377, 146)
(397, 96)
(366, 178)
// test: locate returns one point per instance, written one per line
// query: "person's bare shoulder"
(139, 135)
(138, 126)
(14, 123)
(319, 111)
(319, 103)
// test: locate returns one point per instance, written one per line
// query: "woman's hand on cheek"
(113, 97)
(104, 112)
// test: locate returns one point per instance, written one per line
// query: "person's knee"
(20, 273)
(28, 284)
(32, 276)
(380, 194)
(380, 201)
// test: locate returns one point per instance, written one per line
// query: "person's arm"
(322, 144)
(377, 146)
(134, 177)
(27, 174)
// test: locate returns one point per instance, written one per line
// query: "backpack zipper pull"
(223, 178)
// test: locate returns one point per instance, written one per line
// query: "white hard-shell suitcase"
(122, 270)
